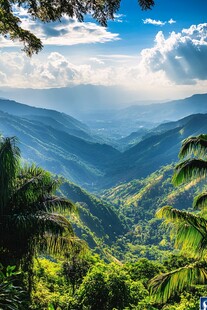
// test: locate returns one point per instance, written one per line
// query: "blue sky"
(159, 54)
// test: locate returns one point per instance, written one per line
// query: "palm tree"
(189, 229)
(28, 219)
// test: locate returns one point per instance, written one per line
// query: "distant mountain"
(132, 139)
(78, 101)
(159, 112)
(50, 139)
(67, 147)
(156, 149)
(51, 118)
(102, 107)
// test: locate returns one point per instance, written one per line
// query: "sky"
(160, 54)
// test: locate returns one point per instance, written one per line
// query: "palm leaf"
(165, 285)
(35, 188)
(200, 201)
(191, 145)
(188, 229)
(188, 170)
(9, 163)
(56, 203)
(40, 223)
(61, 245)
(146, 4)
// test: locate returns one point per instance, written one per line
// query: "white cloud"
(158, 22)
(65, 32)
(181, 56)
(97, 60)
(171, 21)
(57, 70)
(119, 18)
(153, 22)
(175, 66)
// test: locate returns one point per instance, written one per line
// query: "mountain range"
(119, 169)
(66, 146)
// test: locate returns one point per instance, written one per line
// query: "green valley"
(115, 187)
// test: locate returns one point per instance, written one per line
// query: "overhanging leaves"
(166, 285)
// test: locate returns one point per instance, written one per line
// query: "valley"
(117, 183)
(116, 168)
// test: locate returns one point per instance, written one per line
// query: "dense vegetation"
(126, 259)
(73, 277)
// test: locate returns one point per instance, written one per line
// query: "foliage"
(137, 202)
(50, 289)
(143, 270)
(11, 295)
(109, 287)
(28, 206)
(47, 11)
(189, 229)
(74, 268)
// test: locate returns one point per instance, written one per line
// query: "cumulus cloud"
(174, 64)
(119, 18)
(153, 22)
(65, 32)
(182, 56)
(57, 70)
(171, 21)
(158, 22)
(97, 60)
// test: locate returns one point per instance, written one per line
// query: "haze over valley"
(108, 149)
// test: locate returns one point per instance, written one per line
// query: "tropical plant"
(11, 295)
(28, 219)
(53, 10)
(189, 229)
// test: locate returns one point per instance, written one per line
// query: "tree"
(28, 219)
(52, 10)
(190, 230)
(109, 287)
(75, 266)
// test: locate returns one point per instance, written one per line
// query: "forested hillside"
(66, 146)
(110, 242)
(157, 148)
(52, 140)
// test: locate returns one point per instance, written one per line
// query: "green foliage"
(49, 287)
(110, 287)
(76, 265)
(168, 284)
(11, 295)
(143, 270)
(193, 145)
(189, 229)
(28, 219)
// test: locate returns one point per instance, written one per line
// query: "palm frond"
(146, 4)
(9, 163)
(56, 203)
(165, 285)
(194, 144)
(200, 201)
(35, 188)
(188, 229)
(61, 244)
(40, 223)
(188, 170)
